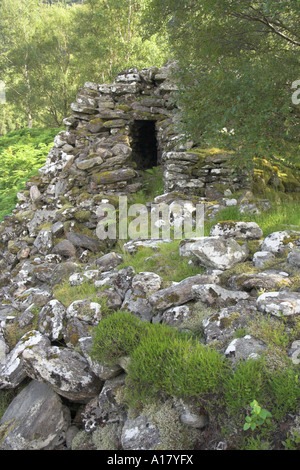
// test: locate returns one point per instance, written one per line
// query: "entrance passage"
(144, 144)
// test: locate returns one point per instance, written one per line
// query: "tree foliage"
(48, 49)
(237, 63)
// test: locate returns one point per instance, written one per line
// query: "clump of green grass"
(166, 362)
(162, 359)
(285, 392)
(67, 294)
(283, 215)
(116, 336)
(152, 186)
(173, 363)
(6, 397)
(164, 260)
(245, 384)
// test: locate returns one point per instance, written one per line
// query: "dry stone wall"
(116, 130)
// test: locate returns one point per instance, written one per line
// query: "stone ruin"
(116, 131)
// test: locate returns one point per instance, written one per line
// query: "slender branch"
(271, 24)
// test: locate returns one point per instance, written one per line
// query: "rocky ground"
(61, 398)
(52, 394)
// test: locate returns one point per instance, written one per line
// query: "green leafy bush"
(22, 153)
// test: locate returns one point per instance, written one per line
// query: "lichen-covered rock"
(294, 352)
(294, 258)
(279, 242)
(3, 350)
(212, 294)
(145, 283)
(140, 434)
(12, 372)
(279, 303)
(103, 371)
(109, 261)
(238, 230)
(85, 310)
(84, 241)
(64, 370)
(173, 316)
(245, 348)
(261, 258)
(35, 420)
(51, 320)
(178, 293)
(65, 248)
(133, 245)
(123, 280)
(266, 280)
(222, 325)
(43, 241)
(215, 252)
(105, 409)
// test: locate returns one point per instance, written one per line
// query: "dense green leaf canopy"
(238, 61)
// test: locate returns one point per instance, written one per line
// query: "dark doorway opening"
(144, 144)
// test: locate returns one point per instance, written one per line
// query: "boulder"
(65, 248)
(261, 258)
(212, 294)
(43, 241)
(245, 348)
(239, 230)
(294, 352)
(280, 242)
(134, 245)
(294, 258)
(12, 372)
(51, 320)
(35, 420)
(145, 283)
(83, 241)
(215, 252)
(178, 293)
(173, 316)
(105, 409)
(140, 434)
(279, 303)
(109, 261)
(64, 370)
(103, 371)
(266, 280)
(85, 310)
(222, 325)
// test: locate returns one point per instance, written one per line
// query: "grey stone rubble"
(51, 238)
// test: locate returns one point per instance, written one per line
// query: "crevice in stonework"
(144, 144)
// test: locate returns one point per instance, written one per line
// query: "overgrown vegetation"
(164, 260)
(237, 62)
(48, 50)
(165, 362)
(22, 153)
(283, 214)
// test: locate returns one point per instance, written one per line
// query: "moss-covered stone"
(83, 215)
(24, 216)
